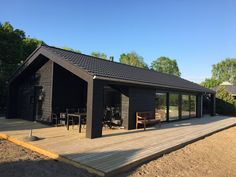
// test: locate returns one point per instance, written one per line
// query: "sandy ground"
(16, 161)
(214, 156)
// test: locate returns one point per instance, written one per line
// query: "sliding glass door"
(186, 103)
(160, 107)
(185, 106)
(173, 106)
(193, 106)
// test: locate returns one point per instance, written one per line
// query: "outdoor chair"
(58, 120)
(147, 118)
(107, 118)
(70, 119)
(116, 120)
(54, 119)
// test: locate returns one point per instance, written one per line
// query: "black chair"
(116, 120)
(107, 118)
(54, 119)
(70, 120)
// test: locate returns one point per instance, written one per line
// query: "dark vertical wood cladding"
(199, 105)
(22, 98)
(44, 79)
(167, 106)
(180, 106)
(25, 96)
(12, 101)
(125, 110)
(140, 99)
(213, 104)
(69, 91)
(95, 108)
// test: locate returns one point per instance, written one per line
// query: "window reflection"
(160, 109)
(174, 107)
(185, 106)
(192, 106)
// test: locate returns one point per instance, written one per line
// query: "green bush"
(225, 108)
(225, 103)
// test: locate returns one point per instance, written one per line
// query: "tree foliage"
(222, 71)
(70, 49)
(166, 65)
(225, 70)
(99, 55)
(225, 102)
(133, 59)
(14, 48)
(210, 83)
(221, 93)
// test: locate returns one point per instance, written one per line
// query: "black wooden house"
(53, 79)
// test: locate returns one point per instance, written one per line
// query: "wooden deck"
(117, 150)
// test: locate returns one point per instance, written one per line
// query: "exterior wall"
(125, 110)
(199, 105)
(25, 92)
(11, 101)
(95, 108)
(140, 99)
(213, 104)
(69, 91)
(44, 78)
(25, 96)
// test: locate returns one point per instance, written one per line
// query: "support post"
(199, 105)
(180, 106)
(213, 104)
(167, 106)
(95, 109)
(125, 110)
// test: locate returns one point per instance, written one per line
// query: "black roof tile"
(114, 70)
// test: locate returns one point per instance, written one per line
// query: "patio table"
(77, 115)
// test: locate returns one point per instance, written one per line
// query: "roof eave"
(149, 84)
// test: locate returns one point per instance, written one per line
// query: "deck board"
(117, 150)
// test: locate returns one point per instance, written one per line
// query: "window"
(185, 106)
(160, 107)
(174, 107)
(192, 106)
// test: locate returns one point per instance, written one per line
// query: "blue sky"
(195, 33)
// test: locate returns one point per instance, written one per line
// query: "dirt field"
(214, 156)
(16, 161)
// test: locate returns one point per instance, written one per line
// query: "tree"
(222, 94)
(225, 102)
(166, 65)
(133, 59)
(210, 83)
(29, 45)
(99, 55)
(225, 70)
(14, 48)
(71, 49)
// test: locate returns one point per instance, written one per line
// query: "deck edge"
(51, 155)
(132, 165)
